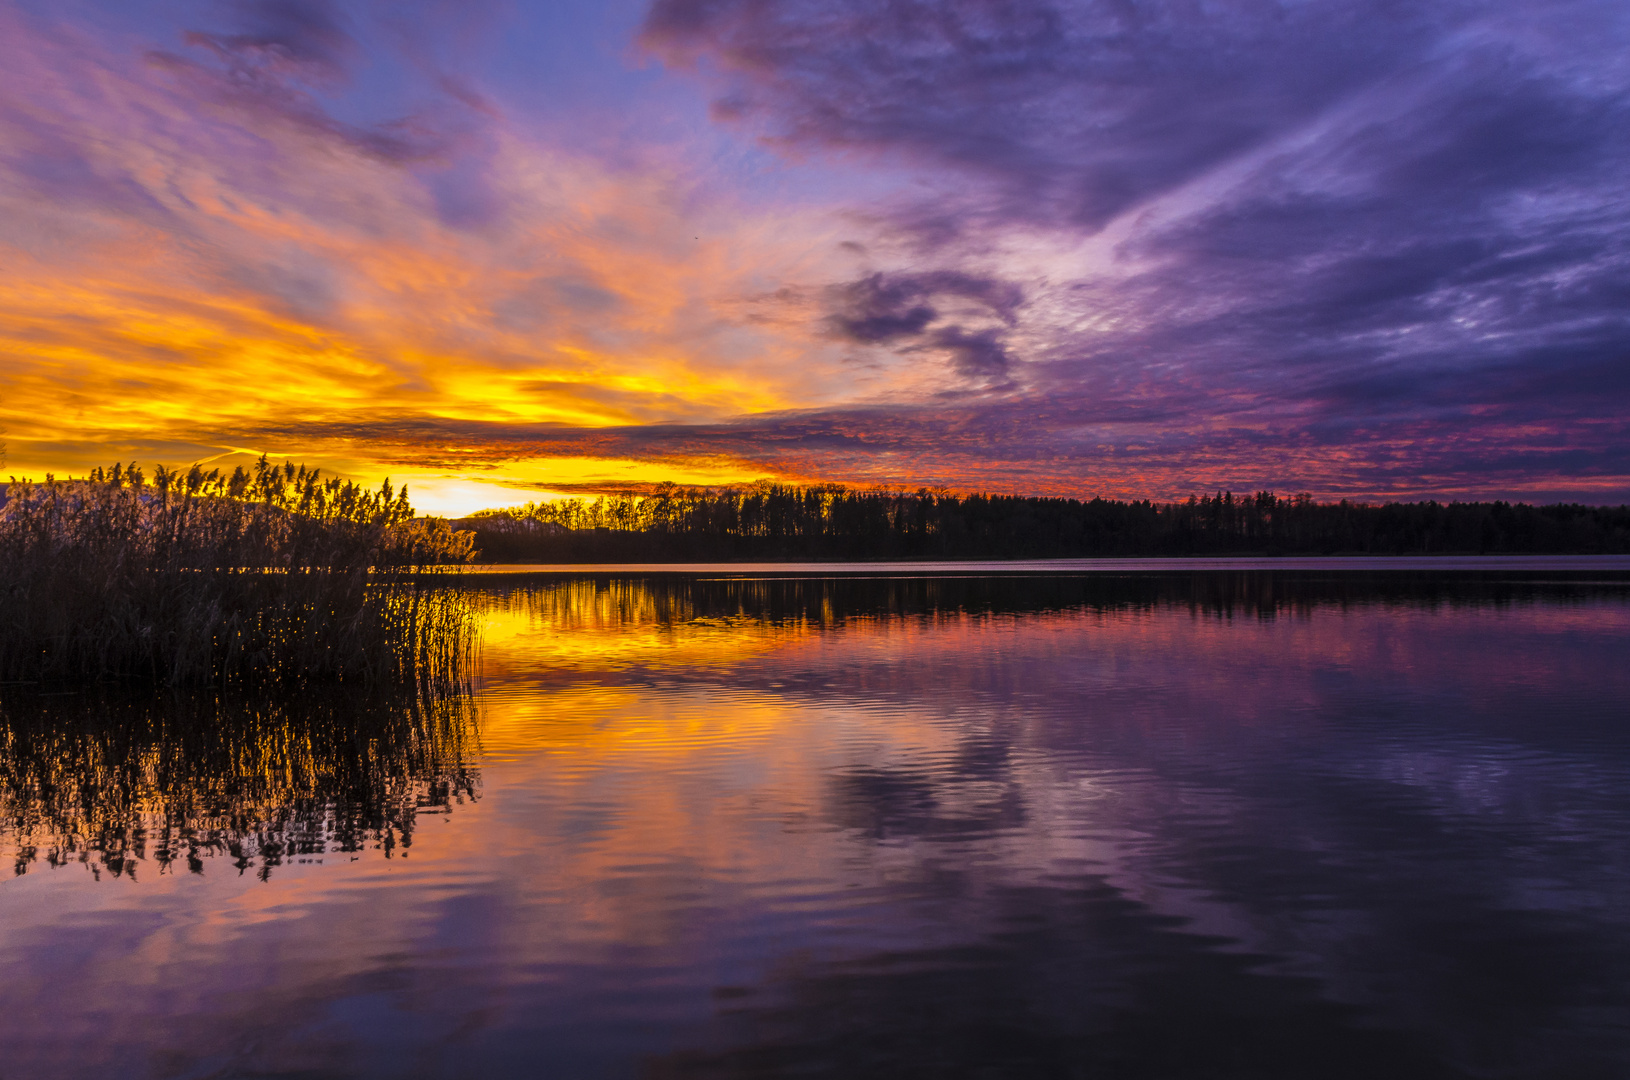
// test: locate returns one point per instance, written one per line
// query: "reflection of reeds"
(116, 782)
(274, 574)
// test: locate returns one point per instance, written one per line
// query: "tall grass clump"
(273, 574)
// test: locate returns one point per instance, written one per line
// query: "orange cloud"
(235, 270)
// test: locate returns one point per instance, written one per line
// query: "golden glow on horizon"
(541, 479)
(265, 286)
(443, 493)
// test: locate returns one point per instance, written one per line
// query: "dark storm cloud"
(1390, 223)
(975, 355)
(885, 308)
(931, 312)
(876, 311)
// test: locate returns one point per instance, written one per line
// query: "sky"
(505, 250)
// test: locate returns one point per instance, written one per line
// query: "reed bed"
(273, 574)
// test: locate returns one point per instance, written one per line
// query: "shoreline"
(1065, 567)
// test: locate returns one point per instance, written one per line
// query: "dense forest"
(769, 521)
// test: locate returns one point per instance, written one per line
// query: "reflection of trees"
(114, 781)
(599, 604)
(616, 602)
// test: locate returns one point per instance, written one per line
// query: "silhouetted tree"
(773, 521)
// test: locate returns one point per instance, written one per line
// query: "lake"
(1280, 819)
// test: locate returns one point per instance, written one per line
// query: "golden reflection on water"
(589, 626)
(655, 683)
(576, 661)
(668, 800)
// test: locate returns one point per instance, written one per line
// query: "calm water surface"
(1308, 823)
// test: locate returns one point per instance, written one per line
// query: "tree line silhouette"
(775, 521)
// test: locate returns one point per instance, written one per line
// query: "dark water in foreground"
(1194, 824)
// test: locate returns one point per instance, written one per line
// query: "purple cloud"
(1073, 111)
(1376, 222)
(303, 40)
(929, 312)
(292, 62)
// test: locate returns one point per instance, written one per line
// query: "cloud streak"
(1385, 221)
(188, 263)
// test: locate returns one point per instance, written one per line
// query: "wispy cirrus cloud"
(1372, 223)
(203, 243)
(1071, 113)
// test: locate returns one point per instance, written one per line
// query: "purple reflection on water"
(1197, 824)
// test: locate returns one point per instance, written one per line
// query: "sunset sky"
(505, 249)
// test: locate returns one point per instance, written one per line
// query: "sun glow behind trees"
(773, 521)
(272, 574)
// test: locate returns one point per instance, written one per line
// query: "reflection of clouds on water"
(1065, 978)
(760, 828)
(885, 803)
(1322, 787)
